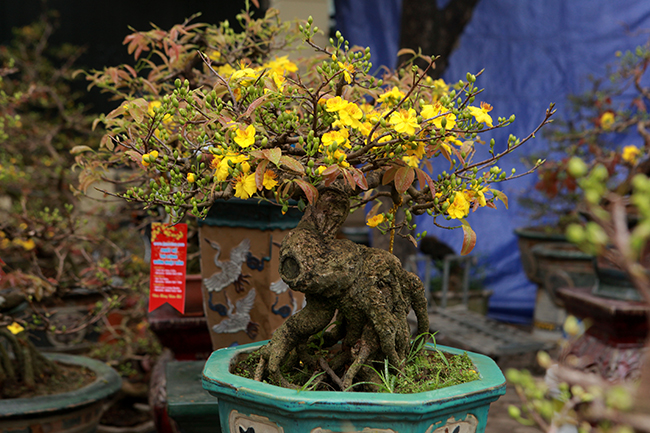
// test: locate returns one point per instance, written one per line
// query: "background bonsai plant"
(52, 245)
(208, 113)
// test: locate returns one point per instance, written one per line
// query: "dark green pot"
(527, 238)
(70, 412)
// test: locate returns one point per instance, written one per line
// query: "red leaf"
(359, 178)
(469, 238)
(256, 103)
(310, 190)
(259, 174)
(389, 175)
(404, 178)
(425, 179)
(348, 177)
(292, 164)
(274, 155)
(331, 170)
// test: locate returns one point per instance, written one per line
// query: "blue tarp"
(533, 53)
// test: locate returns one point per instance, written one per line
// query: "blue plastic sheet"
(533, 53)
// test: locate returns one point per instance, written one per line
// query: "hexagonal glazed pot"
(76, 411)
(247, 406)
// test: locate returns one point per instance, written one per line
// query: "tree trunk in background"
(434, 30)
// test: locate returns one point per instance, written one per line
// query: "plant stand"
(249, 406)
(613, 344)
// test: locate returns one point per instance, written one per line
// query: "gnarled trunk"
(364, 291)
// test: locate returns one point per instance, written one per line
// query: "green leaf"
(80, 149)
(499, 195)
(469, 238)
(138, 109)
(274, 155)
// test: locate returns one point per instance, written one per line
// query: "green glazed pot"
(247, 406)
(76, 411)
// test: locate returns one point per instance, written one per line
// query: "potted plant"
(62, 269)
(212, 114)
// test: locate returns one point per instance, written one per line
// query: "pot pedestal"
(249, 406)
(613, 344)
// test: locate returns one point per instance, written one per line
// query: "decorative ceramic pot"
(527, 238)
(245, 298)
(612, 282)
(70, 412)
(249, 406)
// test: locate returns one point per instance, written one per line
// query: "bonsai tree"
(208, 113)
(607, 125)
(51, 244)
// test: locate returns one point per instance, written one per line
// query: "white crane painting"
(230, 270)
(240, 320)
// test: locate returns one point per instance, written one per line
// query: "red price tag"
(168, 266)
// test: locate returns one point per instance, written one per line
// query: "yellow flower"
(460, 207)
(404, 121)
(607, 120)
(630, 154)
(280, 65)
(335, 104)
(245, 137)
(151, 109)
(321, 169)
(435, 111)
(27, 245)
(376, 220)
(481, 114)
(418, 151)
(347, 69)
(340, 138)
(150, 157)
(15, 328)
(393, 95)
(245, 186)
(339, 157)
(226, 70)
(191, 178)
(269, 179)
(411, 161)
(235, 158)
(350, 115)
(278, 79)
(214, 55)
(246, 75)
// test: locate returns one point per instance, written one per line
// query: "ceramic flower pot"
(249, 406)
(527, 238)
(69, 412)
(245, 298)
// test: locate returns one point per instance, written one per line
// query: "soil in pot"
(66, 378)
(426, 370)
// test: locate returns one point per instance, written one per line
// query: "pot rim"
(219, 382)
(107, 382)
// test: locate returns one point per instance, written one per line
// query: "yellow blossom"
(418, 151)
(321, 169)
(280, 65)
(411, 161)
(245, 186)
(630, 154)
(150, 157)
(222, 165)
(393, 95)
(27, 245)
(481, 114)
(339, 157)
(245, 74)
(278, 79)
(351, 116)
(214, 55)
(245, 137)
(607, 120)
(348, 70)
(340, 138)
(151, 109)
(15, 328)
(335, 104)
(436, 112)
(404, 121)
(376, 220)
(226, 70)
(269, 179)
(460, 207)
(191, 178)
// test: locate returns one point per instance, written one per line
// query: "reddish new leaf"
(359, 178)
(425, 179)
(259, 174)
(332, 169)
(256, 103)
(404, 178)
(469, 238)
(348, 177)
(292, 164)
(274, 155)
(389, 175)
(138, 109)
(310, 190)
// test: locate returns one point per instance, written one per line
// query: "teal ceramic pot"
(76, 411)
(247, 406)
